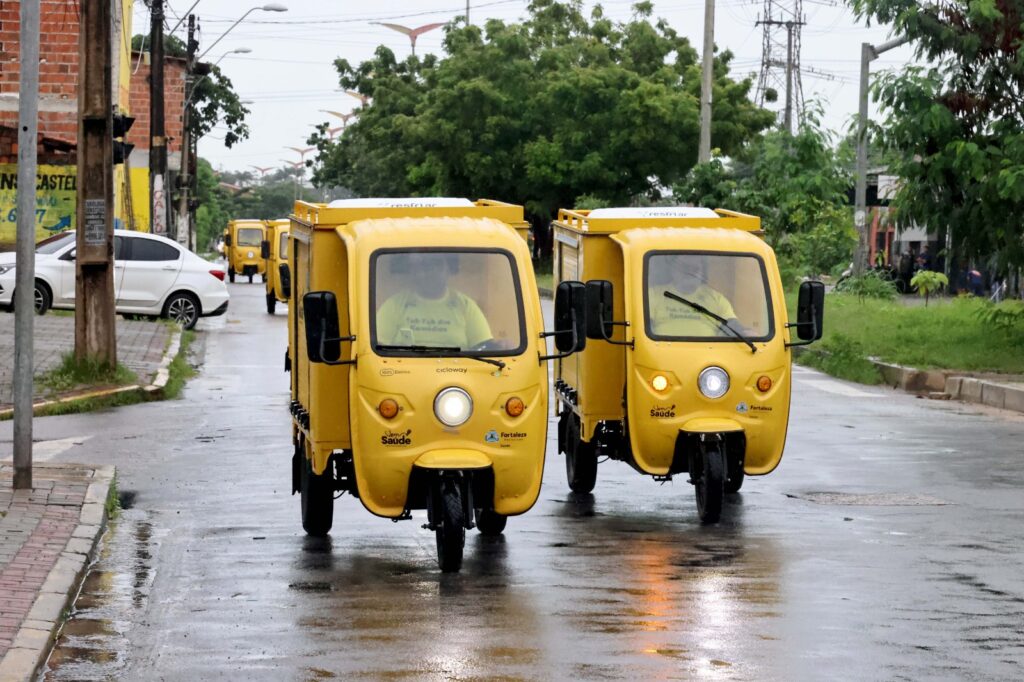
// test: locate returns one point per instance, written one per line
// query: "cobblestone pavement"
(140, 347)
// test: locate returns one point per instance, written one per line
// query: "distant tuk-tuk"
(276, 273)
(688, 365)
(242, 242)
(415, 348)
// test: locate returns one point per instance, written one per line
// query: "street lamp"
(192, 90)
(413, 33)
(272, 7)
(358, 95)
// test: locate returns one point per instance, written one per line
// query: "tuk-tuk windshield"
(437, 302)
(249, 236)
(282, 250)
(732, 286)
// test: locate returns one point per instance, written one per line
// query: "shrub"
(871, 284)
(927, 283)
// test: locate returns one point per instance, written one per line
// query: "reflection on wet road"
(887, 546)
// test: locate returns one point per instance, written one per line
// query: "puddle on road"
(93, 643)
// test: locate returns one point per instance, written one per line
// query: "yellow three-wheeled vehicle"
(688, 370)
(276, 272)
(416, 363)
(242, 245)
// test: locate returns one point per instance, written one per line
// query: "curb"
(153, 390)
(39, 630)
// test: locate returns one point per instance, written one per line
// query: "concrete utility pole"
(707, 82)
(95, 334)
(788, 117)
(184, 234)
(24, 295)
(157, 134)
(868, 53)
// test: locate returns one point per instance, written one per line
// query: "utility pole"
(24, 294)
(467, 12)
(157, 139)
(781, 70)
(95, 334)
(788, 117)
(707, 82)
(184, 234)
(868, 53)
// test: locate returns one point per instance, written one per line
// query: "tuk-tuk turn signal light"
(659, 382)
(388, 408)
(514, 407)
(764, 384)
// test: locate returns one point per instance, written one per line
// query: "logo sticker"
(663, 411)
(742, 408)
(392, 438)
(491, 437)
(391, 371)
(451, 370)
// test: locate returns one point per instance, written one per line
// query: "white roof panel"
(653, 212)
(407, 202)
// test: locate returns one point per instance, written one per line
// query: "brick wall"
(49, 150)
(174, 101)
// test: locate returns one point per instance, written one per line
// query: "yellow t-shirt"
(672, 318)
(452, 320)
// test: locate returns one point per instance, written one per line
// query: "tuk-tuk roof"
(644, 240)
(329, 216)
(429, 231)
(612, 220)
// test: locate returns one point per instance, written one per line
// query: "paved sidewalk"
(140, 348)
(47, 539)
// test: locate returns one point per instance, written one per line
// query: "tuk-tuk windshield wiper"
(442, 350)
(722, 322)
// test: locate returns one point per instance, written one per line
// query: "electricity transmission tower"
(780, 57)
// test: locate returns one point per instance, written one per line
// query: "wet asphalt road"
(888, 545)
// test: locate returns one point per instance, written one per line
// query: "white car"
(152, 276)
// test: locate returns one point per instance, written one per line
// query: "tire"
(271, 303)
(231, 275)
(710, 487)
(183, 308)
(490, 523)
(43, 298)
(580, 459)
(250, 279)
(734, 475)
(317, 494)
(451, 527)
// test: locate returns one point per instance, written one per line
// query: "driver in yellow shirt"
(685, 276)
(430, 313)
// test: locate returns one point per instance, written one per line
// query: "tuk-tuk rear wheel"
(317, 494)
(451, 531)
(710, 487)
(580, 459)
(271, 303)
(490, 523)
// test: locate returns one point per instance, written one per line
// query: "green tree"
(956, 128)
(540, 112)
(215, 100)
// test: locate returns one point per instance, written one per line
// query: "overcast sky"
(289, 74)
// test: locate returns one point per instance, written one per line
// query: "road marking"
(45, 450)
(837, 388)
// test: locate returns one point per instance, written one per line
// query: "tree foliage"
(542, 112)
(956, 128)
(215, 100)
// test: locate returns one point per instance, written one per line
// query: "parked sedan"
(153, 276)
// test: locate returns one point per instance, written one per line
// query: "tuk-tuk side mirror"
(323, 340)
(599, 309)
(227, 240)
(570, 320)
(286, 280)
(810, 311)
(264, 249)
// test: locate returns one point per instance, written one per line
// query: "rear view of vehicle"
(243, 242)
(689, 368)
(415, 348)
(277, 273)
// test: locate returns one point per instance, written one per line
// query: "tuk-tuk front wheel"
(709, 483)
(231, 275)
(449, 521)
(490, 523)
(580, 459)
(317, 499)
(250, 279)
(734, 476)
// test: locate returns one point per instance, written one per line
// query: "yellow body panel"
(272, 267)
(332, 250)
(613, 383)
(238, 257)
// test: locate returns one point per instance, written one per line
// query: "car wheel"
(183, 308)
(43, 298)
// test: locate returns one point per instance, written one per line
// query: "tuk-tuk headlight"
(251, 255)
(713, 382)
(453, 406)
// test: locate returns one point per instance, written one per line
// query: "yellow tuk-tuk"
(276, 273)
(243, 242)
(689, 367)
(415, 353)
